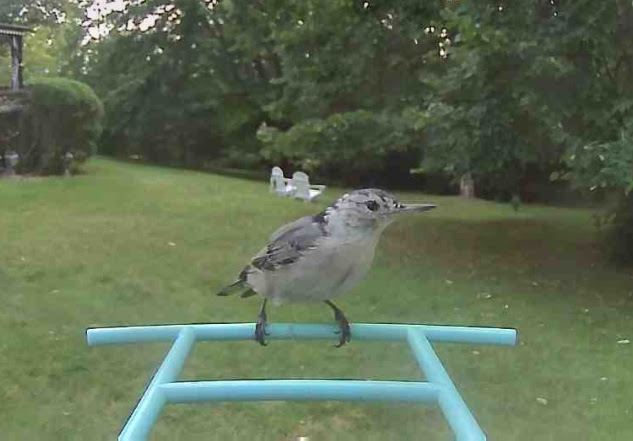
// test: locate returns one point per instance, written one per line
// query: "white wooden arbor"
(14, 35)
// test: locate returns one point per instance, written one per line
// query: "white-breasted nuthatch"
(316, 258)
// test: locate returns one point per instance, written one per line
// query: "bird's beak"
(415, 208)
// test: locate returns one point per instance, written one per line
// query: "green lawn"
(128, 244)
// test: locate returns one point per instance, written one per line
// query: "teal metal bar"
(285, 331)
(165, 389)
(455, 410)
(140, 423)
(300, 390)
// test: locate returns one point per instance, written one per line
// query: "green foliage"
(64, 116)
(339, 57)
(509, 93)
(46, 49)
(618, 233)
(499, 90)
(608, 168)
(607, 165)
(486, 114)
(352, 146)
(179, 94)
(197, 85)
(32, 11)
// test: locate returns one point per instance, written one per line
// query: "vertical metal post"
(15, 42)
(460, 419)
(20, 44)
(151, 403)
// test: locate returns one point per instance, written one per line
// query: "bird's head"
(371, 208)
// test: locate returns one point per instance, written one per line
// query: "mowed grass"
(128, 244)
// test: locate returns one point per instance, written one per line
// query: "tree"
(174, 87)
(32, 12)
(501, 91)
(596, 39)
(488, 115)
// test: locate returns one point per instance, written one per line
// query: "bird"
(317, 258)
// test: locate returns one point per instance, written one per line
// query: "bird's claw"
(260, 326)
(260, 332)
(344, 328)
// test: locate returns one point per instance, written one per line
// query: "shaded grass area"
(130, 244)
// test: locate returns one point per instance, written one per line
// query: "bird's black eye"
(372, 205)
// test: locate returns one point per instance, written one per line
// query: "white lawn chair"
(303, 189)
(278, 183)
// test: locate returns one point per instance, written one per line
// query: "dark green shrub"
(352, 147)
(607, 169)
(64, 116)
(619, 231)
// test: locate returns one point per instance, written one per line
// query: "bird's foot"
(345, 331)
(260, 326)
(260, 330)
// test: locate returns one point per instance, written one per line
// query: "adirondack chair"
(303, 189)
(279, 184)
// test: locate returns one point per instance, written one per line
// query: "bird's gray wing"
(292, 226)
(289, 243)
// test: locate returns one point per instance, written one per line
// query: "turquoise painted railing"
(165, 387)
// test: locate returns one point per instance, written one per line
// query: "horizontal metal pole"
(455, 410)
(286, 331)
(300, 390)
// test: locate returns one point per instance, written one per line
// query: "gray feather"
(306, 221)
(234, 287)
(248, 293)
(237, 286)
(289, 244)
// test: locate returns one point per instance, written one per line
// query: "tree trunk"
(467, 186)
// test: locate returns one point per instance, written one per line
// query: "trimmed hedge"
(63, 116)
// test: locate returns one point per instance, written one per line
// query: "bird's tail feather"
(238, 286)
(235, 287)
